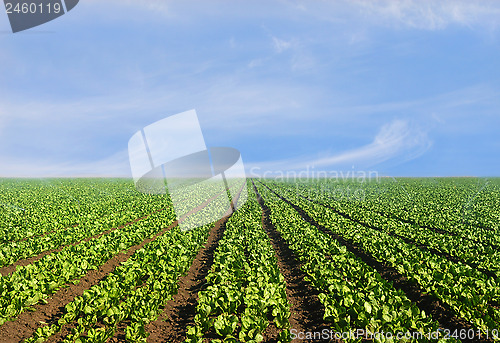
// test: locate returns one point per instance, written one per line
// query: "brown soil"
(306, 309)
(426, 302)
(179, 312)
(27, 322)
(120, 331)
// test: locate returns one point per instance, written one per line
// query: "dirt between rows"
(120, 334)
(440, 311)
(90, 280)
(180, 311)
(27, 322)
(306, 309)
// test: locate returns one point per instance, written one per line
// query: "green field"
(389, 260)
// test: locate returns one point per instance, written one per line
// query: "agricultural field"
(314, 260)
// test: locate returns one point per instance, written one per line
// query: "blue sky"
(405, 88)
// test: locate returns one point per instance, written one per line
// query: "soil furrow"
(306, 309)
(179, 313)
(439, 310)
(171, 325)
(27, 322)
(120, 332)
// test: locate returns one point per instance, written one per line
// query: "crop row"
(354, 294)
(136, 291)
(33, 283)
(464, 289)
(482, 253)
(459, 206)
(12, 252)
(245, 287)
(30, 208)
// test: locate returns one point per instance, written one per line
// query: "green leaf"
(368, 307)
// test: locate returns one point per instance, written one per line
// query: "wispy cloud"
(267, 76)
(234, 109)
(416, 14)
(281, 45)
(431, 15)
(231, 103)
(398, 140)
(116, 165)
(81, 132)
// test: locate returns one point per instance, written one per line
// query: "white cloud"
(229, 103)
(281, 45)
(236, 110)
(80, 128)
(431, 15)
(397, 140)
(418, 14)
(116, 165)
(240, 101)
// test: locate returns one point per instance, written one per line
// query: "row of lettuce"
(470, 293)
(456, 205)
(246, 293)
(354, 295)
(28, 285)
(133, 206)
(30, 208)
(136, 292)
